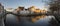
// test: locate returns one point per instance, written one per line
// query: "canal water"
(43, 20)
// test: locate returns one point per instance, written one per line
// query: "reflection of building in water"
(32, 9)
(18, 10)
(37, 18)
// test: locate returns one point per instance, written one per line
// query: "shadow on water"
(42, 20)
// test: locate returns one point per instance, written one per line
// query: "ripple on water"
(41, 22)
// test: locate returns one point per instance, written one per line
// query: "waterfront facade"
(1, 15)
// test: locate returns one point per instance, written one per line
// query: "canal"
(43, 20)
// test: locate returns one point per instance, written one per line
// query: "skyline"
(26, 3)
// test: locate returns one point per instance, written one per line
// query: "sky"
(26, 3)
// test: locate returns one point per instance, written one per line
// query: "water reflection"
(42, 20)
(34, 19)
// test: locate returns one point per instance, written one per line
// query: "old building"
(20, 8)
(1, 15)
(36, 10)
(32, 8)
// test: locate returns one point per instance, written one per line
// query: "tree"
(54, 5)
